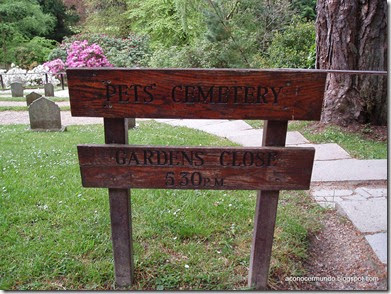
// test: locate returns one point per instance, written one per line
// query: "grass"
(55, 234)
(256, 124)
(354, 144)
(23, 99)
(357, 146)
(25, 108)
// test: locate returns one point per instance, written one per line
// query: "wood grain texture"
(116, 131)
(116, 166)
(274, 134)
(197, 93)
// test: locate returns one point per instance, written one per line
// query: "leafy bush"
(60, 52)
(305, 8)
(128, 52)
(203, 54)
(294, 48)
(33, 52)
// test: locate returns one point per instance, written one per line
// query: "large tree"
(64, 18)
(351, 35)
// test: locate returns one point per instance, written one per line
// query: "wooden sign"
(119, 166)
(273, 95)
(197, 93)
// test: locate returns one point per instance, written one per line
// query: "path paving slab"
(195, 123)
(57, 93)
(225, 129)
(295, 138)
(328, 151)
(20, 103)
(349, 170)
(378, 243)
(372, 192)
(323, 192)
(369, 216)
(253, 138)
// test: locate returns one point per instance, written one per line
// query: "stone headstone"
(17, 90)
(131, 123)
(45, 115)
(30, 98)
(49, 90)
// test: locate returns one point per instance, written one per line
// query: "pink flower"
(55, 66)
(80, 54)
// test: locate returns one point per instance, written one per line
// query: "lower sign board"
(265, 168)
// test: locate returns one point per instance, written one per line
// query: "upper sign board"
(197, 93)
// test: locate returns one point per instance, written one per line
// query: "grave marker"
(17, 90)
(45, 116)
(49, 90)
(131, 123)
(274, 95)
(30, 98)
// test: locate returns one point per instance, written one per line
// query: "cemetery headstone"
(49, 90)
(45, 115)
(30, 98)
(131, 123)
(17, 90)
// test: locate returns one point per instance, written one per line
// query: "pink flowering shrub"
(55, 66)
(80, 54)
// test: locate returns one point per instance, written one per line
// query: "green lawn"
(354, 144)
(54, 234)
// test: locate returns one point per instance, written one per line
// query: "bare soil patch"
(341, 259)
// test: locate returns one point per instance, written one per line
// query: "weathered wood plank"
(196, 93)
(274, 134)
(116, 166)
(116, 131)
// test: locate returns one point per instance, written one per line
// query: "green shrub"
(293, 48)
(60, 52)
(121, 52)
(203, 54)
(33, 52)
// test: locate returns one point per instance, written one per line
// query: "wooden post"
(1, 81)
(274, 134)
(46, 78)
(62, 81)
(116, 131)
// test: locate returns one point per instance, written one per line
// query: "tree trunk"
(351, 35)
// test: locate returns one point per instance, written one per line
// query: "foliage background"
(154, 33)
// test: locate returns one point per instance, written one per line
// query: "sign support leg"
(116, 131)
(274, 134)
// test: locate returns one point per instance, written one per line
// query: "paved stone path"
(23, 103)
(356, 188)
(365, 206)
(57, 93)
